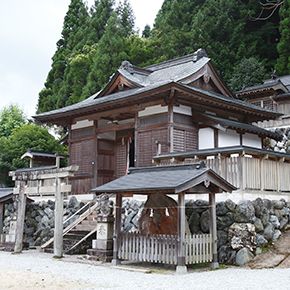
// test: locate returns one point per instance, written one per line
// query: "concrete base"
(214, 265)
(101, 255)
(181, 269)
(10, 238)
(115, 262)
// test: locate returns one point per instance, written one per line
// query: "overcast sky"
(28, 35)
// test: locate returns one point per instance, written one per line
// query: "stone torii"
(42, 181)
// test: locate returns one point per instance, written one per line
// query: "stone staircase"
(78, 235)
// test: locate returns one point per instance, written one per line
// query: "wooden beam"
(116, 127)
(118, 221)
(2, 208)
(44, 173)
(58, 221)
(213, 230)
(181, 267)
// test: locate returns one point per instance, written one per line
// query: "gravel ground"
(35, 270)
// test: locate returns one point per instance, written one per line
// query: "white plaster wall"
(184, 110)
(252, 140)
(205, 138)
(82, 124)
(228, 138)
(153, 110)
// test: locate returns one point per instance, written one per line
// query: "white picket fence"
(198, 248)
(163, 248)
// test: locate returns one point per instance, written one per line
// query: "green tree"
(147, 31)
(12, 147)
(108, 57)
(71, 35)
(248, 72)
(283, 62)
(11, 118)
(139, 50)
(99, 16)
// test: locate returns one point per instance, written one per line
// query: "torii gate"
(48, 181)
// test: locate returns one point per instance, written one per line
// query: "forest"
(247, 40)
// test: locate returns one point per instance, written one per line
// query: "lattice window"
(267, 104)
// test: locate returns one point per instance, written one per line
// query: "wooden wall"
(102, 160)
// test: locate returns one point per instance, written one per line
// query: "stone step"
(74, 234)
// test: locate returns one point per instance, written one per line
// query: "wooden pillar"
(118, 221)
(213, 230)
(181, 267)
(57, 160)
(58, 221)
(2, 209)
(170, 127)
(136, 135)
(20, 219)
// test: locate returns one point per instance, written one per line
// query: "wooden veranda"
(180, 249)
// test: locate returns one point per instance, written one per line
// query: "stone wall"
(279, 146)
(242, 229)
(39, 219)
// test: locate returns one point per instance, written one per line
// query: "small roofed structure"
(42, 158)
(164, 180)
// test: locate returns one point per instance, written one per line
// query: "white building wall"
(228, 138)
(184, 110)
(153, 110)
(205, 138)
(252, 140)
(82, 124)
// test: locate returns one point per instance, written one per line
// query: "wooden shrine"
(179, 105)
(178, 180)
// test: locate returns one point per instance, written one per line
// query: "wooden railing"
(163, 248)
(198, 248)
(245, 167)
(251, 173)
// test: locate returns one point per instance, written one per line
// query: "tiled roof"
(168, 178)
(215, 151)
(229, 100)
(264, 86)
(247, 128)
(94, 100)
(177, 72)
(5, 192)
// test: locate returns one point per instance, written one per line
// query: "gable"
(118, 83)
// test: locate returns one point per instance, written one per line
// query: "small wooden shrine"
(179, 248)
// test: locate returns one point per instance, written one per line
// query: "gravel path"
(34, 270)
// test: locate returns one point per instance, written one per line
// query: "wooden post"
(1, 218)
(58, 221)
(181, 267)
(57, 160)
(20, 218)
(118, 218)
(213, 230)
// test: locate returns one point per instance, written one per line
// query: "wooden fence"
(163, 248)
(252, 173)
